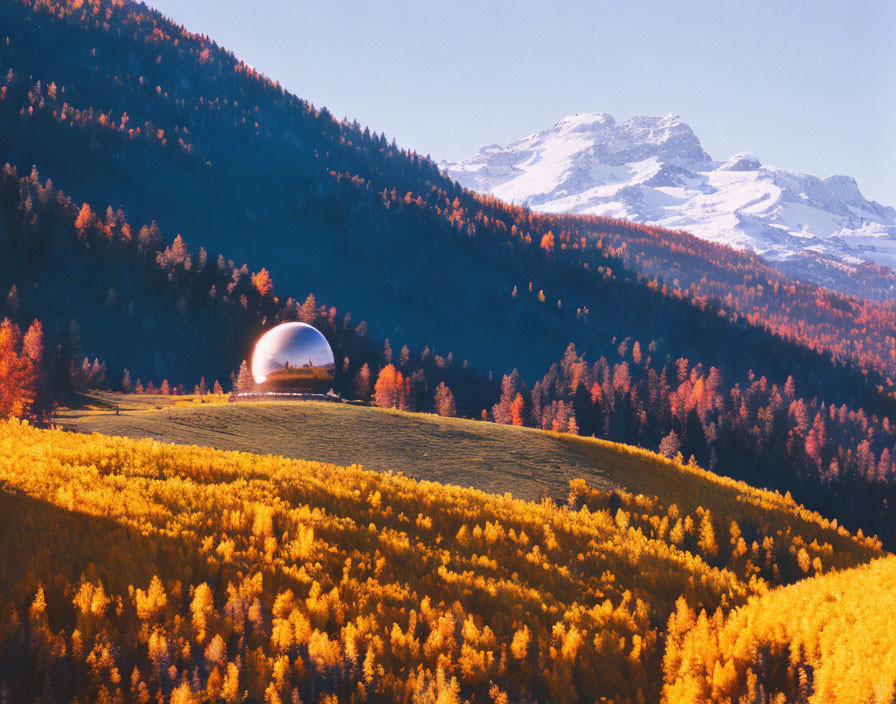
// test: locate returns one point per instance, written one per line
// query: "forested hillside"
(120, 107)
(825, 640)
(162, 204)
(164, 314)
(138, 571)
(130, 291)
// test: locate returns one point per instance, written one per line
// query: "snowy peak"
(666, 138)
(586, 121)
(575, 155)
(654, 170)
(741, 162)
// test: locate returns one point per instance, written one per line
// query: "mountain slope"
(654, 170)
(498, 459)
(118, 106)
(117, 291)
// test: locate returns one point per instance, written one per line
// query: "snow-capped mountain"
(654, 170)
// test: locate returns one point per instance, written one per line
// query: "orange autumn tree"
(262, 282)
(18, 374)
(391, 389)
(85, 217)
(33, 349)
(516, 410)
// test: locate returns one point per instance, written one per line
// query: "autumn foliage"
(162, 97)
(391, 389)
(826, 639)
(187, 574)
(24, 389)
(262, 282)
(301, 579)
(836, 458)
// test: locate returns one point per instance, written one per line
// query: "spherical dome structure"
(293, 357)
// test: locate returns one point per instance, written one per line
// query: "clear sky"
(808, 85)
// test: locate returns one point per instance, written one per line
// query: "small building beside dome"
(293, 358)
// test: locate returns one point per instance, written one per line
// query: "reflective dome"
(293, 357)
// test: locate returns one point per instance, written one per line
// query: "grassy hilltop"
(490, 457)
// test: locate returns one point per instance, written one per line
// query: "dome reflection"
(293, 357)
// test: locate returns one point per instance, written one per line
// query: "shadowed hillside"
(122, 108)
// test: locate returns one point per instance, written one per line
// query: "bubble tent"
(293, 358)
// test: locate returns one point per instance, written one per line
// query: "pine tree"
(33, 349)
(517, 409)
(391, 389)
(362, 383)
(85, 217)
(444, 401)
(510, 387)
(670, 445)
(707, 537)
(384, 390)
(308, 310)
(245, 384)
(17, 374)
(126, 384)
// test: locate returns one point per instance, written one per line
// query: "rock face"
(654, 170)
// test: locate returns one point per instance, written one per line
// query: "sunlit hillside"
(134, 568)
(486, 456)
(290, 416)
(825, 640)
(728, 523)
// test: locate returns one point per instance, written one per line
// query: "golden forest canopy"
(825, 640)
(187, 574)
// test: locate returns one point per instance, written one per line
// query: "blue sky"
(808, 86)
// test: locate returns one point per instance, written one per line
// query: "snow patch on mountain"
(654, 170)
